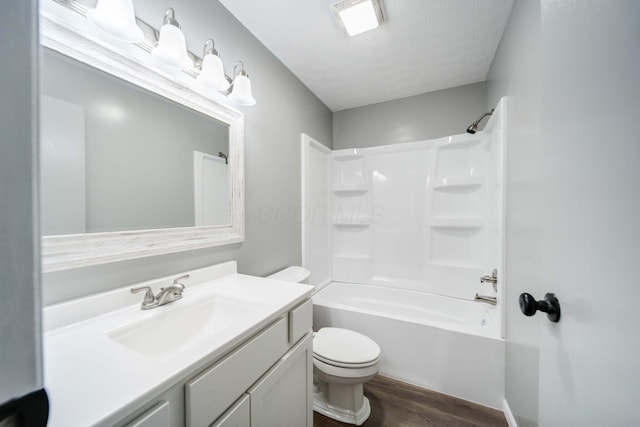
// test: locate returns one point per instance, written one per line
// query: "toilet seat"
(339, 364)
(346, 373)
(345, 348)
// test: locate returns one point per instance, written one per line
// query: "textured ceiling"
(424, 45)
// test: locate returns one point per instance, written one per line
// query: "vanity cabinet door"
(238, 416)
(283, 396)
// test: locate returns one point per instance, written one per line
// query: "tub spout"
(489, 300)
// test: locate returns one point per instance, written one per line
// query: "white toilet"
(343, 361)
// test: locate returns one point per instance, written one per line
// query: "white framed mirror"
(135, 162)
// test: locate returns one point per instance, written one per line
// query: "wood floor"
(397, 404)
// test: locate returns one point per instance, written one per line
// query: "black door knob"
(549, 305)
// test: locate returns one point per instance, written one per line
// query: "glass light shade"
(241, 92)
(212, 74)
(172, 48)
(117, 19)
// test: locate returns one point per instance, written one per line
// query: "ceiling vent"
(358, 16)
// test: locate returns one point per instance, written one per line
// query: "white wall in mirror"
(68, 34)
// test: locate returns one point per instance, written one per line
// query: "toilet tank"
(295, 274)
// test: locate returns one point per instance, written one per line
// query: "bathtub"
(445, 344)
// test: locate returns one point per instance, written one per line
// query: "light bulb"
(241, 91)
(172, 46)
(117, 19)
(212, 74)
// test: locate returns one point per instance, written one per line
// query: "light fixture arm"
(210, 50)
(242, 72)
(170, 18)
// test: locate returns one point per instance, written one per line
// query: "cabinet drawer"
(209, 394)
(238, 416)
(300, 321)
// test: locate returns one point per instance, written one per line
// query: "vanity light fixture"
(241, 87)
(168, 46)
(172, 46)
(117, 19)
(212, 70)
(358, 16)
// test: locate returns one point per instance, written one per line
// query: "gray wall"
(139, 148)
(590, 105)
(430, 115)
(516, 72)
(285, 108)
(20, 337)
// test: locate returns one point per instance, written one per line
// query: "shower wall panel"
(423, 215)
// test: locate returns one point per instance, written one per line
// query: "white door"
(211, 190)
(590, 360)
(62, 167)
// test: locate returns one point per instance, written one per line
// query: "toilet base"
(322, 406)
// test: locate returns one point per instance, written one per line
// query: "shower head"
(473, 128)
(224, 156)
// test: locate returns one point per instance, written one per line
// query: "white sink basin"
(170, 329)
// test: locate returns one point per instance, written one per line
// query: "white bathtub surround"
(444, 344)
(423, 216)
(315, 198)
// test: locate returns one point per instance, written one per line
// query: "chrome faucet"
(488, 300)
(165, 296)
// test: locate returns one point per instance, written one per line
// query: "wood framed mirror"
(168, 131)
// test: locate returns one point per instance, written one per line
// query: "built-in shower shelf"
(350, 256)
(444, 183)
(462, 141)
(350, 189)
(349, 154)
(457, 223)
(459, 265)
(362, 221)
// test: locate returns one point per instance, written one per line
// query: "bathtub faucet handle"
(493, 279)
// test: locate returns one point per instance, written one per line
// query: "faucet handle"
(149, 298)
(177, 281)
(493, 279)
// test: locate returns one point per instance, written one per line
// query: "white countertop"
(93, 379)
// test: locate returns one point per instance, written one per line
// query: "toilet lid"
(345, 346)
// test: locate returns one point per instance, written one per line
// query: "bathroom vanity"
(236, 350)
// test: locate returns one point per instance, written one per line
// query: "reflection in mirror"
(115, 157)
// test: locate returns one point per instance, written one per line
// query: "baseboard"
(511, 420)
